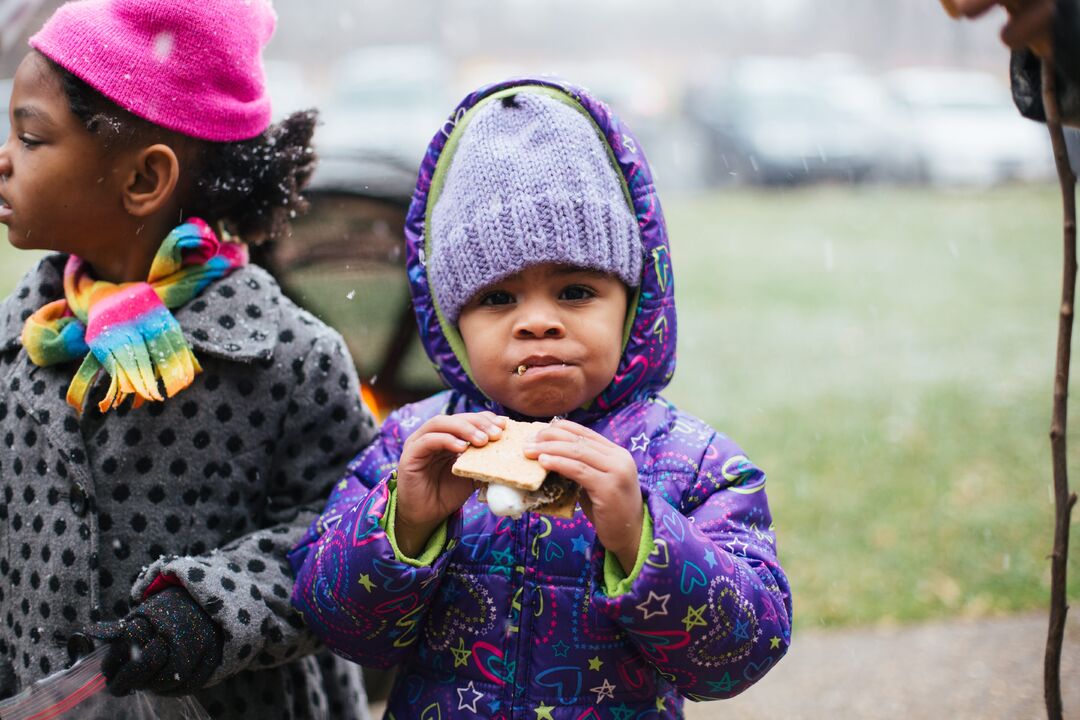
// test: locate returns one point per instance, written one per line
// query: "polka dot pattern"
(211, 487)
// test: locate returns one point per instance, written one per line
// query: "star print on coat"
(461, 654)
(533, 612)
(468, 697)
(693, 618)
(604, 690)
(654, 605)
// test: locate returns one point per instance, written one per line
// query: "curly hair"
(253, 185)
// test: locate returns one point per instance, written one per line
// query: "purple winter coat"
(531, 618)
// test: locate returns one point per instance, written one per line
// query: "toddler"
(540, 272)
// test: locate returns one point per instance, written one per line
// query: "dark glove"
(168, 645)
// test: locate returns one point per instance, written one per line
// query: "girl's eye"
(576, 292)
(497, 297)
(28, 141)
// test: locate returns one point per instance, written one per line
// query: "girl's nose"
(538, 320)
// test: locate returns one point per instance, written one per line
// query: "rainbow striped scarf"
(127, 328)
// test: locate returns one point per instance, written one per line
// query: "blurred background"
(866, 239)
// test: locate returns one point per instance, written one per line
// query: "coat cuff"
(435, 544)
(616, 581)
(245, 591)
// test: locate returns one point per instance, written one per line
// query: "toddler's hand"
(427, 492)
(608, 476)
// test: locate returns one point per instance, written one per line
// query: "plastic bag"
(79, 692)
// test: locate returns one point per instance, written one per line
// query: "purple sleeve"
(710, 608)
(355, 593)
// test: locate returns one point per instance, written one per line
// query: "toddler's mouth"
(539, 361)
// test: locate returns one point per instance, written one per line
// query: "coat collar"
(236, 318)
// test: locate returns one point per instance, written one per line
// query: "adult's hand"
(1030, 22)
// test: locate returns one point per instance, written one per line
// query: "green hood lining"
(438, 178)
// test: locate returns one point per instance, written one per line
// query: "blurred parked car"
(864, 101)
(966, 129)
(772, 120)
(388, 99)
(344, 261)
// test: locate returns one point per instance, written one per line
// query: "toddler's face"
(547, 340)
(57, 188)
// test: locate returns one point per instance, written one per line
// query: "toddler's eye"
(497, 297)
(28, 141)
(576, 292)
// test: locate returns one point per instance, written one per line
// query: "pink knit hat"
(193, 66)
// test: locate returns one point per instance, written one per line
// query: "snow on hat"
(192, 66)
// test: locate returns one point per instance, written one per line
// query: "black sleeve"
(1024, 69)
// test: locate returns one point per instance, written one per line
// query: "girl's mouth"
(5, 210)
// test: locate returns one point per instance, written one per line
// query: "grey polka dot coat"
(208, 489)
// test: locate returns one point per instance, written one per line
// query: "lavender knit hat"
(530, 182)
(193, 66)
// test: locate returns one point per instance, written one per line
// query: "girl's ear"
(151, 181)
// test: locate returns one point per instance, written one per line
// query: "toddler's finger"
(594, 442)
(573, 428)
(581, 471)
(572, 449)
(498, 420)
(471, 427)
(431, 443)
(563, 432)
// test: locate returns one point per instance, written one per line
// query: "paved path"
(977, 670)
(982, 670)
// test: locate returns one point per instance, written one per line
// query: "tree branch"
(1063, 499)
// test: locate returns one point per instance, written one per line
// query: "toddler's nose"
(538, 321)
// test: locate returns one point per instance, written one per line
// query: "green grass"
(887, 356)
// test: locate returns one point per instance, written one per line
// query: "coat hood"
(648, 358)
